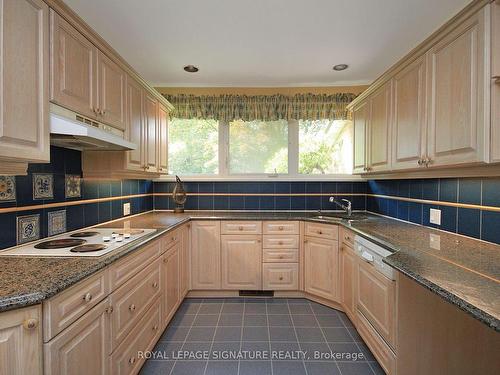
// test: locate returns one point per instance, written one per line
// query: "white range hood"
(71, 130)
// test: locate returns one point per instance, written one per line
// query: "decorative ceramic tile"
(28, 228)
(43, 186)
(73, 186)
(56, 222)
(7, 188)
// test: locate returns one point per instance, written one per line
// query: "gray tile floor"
(249, 336)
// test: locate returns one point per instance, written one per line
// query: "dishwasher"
(376, 288)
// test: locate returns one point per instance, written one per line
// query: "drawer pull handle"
(155, 327)
(320, 232)
(281, 256)
(174, 238)
(109, 309)
(280, 243)
(281, 278)
(87, 297)
(132, 307)
(131, 360)
(240, 227)
(30, 323)
(281, 227)
(155, 284)
(259, 241)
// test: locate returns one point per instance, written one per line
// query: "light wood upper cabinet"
(205, 255)
(409, 120)
(379, 130)
(24, 88)
(82, 348)
(136, 125)
(360, 117)
(73, 78)
(241, 258)
(321, 267)
(21, 341)
(163, 139)
(171, 281)
(495, 82)
(150, 105)
(456, 68)
(111, 80)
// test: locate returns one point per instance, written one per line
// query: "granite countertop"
(464, 271)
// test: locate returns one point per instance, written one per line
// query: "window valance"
(261, 107)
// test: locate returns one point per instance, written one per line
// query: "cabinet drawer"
(66, 307)
(280, 256)
(125, 359)
(132, 299)
(347, 237)
(384, 355)
(281, 227)
(281, 242)
(280, 276)
(327, 231)
(170, 239)
(127, 267)
(243, 227)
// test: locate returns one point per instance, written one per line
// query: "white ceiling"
(273, 43)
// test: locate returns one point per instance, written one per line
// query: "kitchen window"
(291, 149)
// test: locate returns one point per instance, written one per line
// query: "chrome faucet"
(347, 207)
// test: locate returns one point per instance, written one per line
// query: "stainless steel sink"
(340, 217)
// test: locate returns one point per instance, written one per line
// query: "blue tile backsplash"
(408, 200)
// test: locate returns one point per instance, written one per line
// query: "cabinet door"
(457, 121)
(379, 130)
(495, 83)
(376, 300)
(347, 279)
(24, 72)
(83, 347)
(409, 125)
(111, 80)
(241, 261)
(185, 271)
(136, 124)
(151, 132)
(73, 78)
(21, 341)
(205, 255)
(360, 117)
(163, 139)
(171, 282)
(321, 267)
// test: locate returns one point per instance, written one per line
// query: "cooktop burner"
(60, 243)
(87, 248)
(84, 234)
(132, 232)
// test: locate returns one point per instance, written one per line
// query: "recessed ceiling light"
(340, 67)
(191, 69)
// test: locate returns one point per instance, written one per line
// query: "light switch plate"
(126, 209)
(435, 216)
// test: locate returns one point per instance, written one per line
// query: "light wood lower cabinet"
(348, 261)
(127, 359)
(241, 257)
(24, 91)
(376, 300)
(21, 341)
(82, 348)
(321, 267)
(280, 276)
(205, 255)
(170, 278)
(185, 271)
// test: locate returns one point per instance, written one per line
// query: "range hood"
(71, 130)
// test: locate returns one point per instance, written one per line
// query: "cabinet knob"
(87, 297)
(155, 284)
(30, 323)
(280, 243)
(165, 260)
(420, 162)
(281, 278)
(174, 238)
(280, 227)
(305, 241)
(240, 227)
(132, 307)
(281, 256)
(131, 360)
(109, 309)
(259, 241)
(320, 232)
(497, 80)
(155, 327)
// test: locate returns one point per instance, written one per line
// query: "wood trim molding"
(422, 48)
(77, 22)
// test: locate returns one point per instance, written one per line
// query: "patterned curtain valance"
(261, 107)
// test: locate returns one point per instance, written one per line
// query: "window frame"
(293, 163)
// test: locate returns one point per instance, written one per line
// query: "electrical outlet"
(435, 216)
(126, 209)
